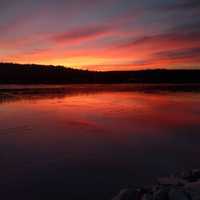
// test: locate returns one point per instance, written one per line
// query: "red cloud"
(82, 33)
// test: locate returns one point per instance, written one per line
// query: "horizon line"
(77, 68)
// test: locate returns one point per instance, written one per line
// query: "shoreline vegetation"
(46, 74)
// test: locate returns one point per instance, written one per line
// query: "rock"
(129, 194)
(182, 186)
(194, 190)
(191, 176)
(171, 181)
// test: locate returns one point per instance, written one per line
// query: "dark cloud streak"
(179, 54)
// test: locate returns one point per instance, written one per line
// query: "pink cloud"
(83, 33)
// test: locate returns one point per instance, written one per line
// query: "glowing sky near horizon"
(101, 34)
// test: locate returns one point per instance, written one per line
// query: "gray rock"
(182, 186)
(129, 194)
(171, 181)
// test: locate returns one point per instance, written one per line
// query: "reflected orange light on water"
(93, 133)
(112, 114)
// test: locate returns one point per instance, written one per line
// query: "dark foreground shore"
(180, 186)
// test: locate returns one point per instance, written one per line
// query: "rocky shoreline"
(180, 186)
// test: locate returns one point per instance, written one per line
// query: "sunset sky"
(101, 34)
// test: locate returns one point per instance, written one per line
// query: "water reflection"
(86, 142)
(18, 92)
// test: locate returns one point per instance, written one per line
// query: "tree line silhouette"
(18, 73)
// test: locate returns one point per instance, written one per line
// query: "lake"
(89, 141)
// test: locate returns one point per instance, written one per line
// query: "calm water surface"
(87, 142)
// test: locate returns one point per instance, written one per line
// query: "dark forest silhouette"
(17, 73)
